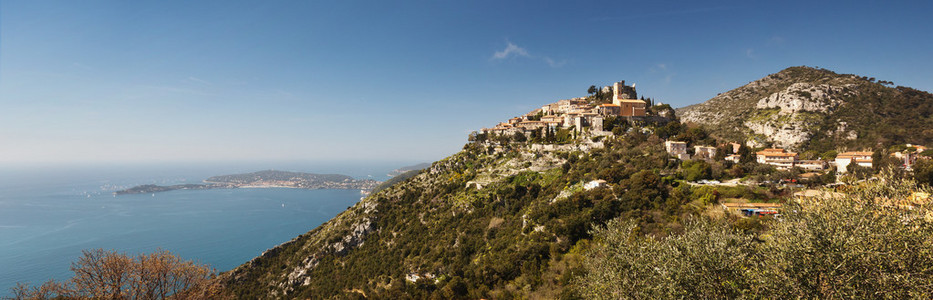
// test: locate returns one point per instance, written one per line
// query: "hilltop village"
(579, 124)
(579, 114)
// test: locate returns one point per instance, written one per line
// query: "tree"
(923, 171)
(694, 170)
(745, 154)
(857, 171)
(100, 274)
(592, 90)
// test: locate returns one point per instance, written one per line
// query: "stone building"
(624, 97)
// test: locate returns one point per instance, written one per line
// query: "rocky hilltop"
(803, 108)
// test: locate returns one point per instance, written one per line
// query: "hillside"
(803, 108)
(492, 221)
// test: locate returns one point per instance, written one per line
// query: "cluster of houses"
(785, 160)
(575, 113)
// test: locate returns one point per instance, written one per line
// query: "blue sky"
(160, 81)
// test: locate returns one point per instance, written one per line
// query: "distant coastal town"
(264, 179)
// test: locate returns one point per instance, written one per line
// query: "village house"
(609, 109)
(677, 149)
(859, 158)
(594, 184)
(531, 125)
(704, 152)
(734, 158)
(811, 165)
(777, 157)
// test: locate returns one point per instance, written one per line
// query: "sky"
(199, 81)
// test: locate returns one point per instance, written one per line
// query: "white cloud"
(513, 50)
(510, 49)
(750, 53)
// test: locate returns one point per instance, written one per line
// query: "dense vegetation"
(864, 244)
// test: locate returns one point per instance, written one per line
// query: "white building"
(844, 159)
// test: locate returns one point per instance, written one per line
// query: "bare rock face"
(800, 107)
(783, 134)
(803, 96)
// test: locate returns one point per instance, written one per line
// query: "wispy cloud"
(553, 63)
(510, 50)
(750, 53)
(513, 50)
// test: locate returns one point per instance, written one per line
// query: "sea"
(50, 213)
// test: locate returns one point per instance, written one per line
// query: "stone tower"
(620, 91)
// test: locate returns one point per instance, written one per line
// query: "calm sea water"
(48, 215)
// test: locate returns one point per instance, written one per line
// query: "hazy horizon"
(130, 82)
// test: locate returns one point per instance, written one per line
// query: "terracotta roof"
(766, 154)
(854, 153)
(609, 105)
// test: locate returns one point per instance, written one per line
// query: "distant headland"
(263, 179)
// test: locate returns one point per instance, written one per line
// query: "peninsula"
(263, 179)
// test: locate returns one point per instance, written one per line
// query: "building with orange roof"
(777, 157)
